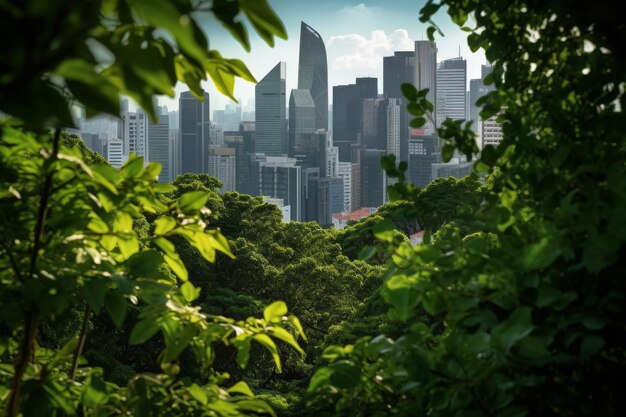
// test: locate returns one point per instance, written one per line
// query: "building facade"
(452, 90)
(271, 113)
(158, 145)
(313, 72)
(426, 77)
(194, 132)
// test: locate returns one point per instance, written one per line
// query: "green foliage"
(93, 51)
(516, 307)
(83, 245)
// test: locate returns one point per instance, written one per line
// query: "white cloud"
(354, 51)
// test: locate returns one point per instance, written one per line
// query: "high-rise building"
(355, 188)
(397, 70)
(216, 135)
(344, 171)
(424, 151)
(280, 177)
(392, 113)
(373, 178)
(477, 90)
(491, 131)
(330, 200)
(452, 90)
(426, 77)
(301, 121)
(246, 170)
(271, 117)
(452, 169)
(348, 114)
(115, 153)
(228, 118)
(94, 142)
(194, 128)
(223, 166)
(158, 145)
(134, 132)
(313, 72)
(310, 194)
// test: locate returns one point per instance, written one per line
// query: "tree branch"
(81, 342)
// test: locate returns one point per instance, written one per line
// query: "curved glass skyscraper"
(313, 72)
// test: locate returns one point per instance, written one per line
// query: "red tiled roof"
(355, 215)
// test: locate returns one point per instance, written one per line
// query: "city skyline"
(357, 35)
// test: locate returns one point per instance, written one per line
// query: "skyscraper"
(373, 178)
(451, 90)
(393, 126)
(134, 132)
(270, 109)
(280, 177)
(476, 91)
(158, 145)
(194, 128)
(301, 121)
(313, 72)
(223, 166)
(424, 151)
(426, 77)
(397, 70)
(348, 113)
(330, 200)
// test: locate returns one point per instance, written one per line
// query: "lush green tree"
(74, 237)
(523, 298)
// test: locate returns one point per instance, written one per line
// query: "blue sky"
(357, 35)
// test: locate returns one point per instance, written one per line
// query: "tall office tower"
(301, 122)
(158, 145)
(313, 72)
(223, 166)
(392, 113)
(134, 132)
(451, 90)
(194, 127)
(355, 188)
(424, 151)
(348, 114)
(344, 171)
(174, 136)
(329, 200)
(115, 153)
(243, 143)
(477, 90)
(216, 135)
(310, 190)
(280, 177)
(491, 131)
(397, 70)
(332, 162)
(373, 178)
(271, 118)
(426, 77)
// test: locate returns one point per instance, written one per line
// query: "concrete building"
(392, 113)
(330, 200)
(373, 178)
(280, 203)
(223, 166)
(216, 135)
(344, 171)
(452, 90)
(115, 153)
(455, 169)
(135, 129)
(397, 70)
(424, 151)
(348, 114)
(229, 118)
(478, 89)
(490, 131)
(340, 220)
(313, 72)
(194, 122)
(426, 77)
(158, 146)
(280, 177)
(271, 113)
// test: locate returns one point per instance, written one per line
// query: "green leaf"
(189, 291)
(447, 151)
(367, 253)
(191, 203)
(269, 344)
(241, 388)
(409, 91)
(285, 336)
(145, 264)
(133, 167)
(198, 393)
(296, 323)
(94, 291)
(163, 225)
(116, 306)
(384, 230)
(591, 345)
(540, 254)
(418, 122)
(172, 258)
(143, 331)
(320, 378)
(275, 312)
(594, 322)
(263, 19)
(95, 392)
(427, 12)
(344, 374)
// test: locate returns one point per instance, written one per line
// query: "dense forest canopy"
(121, 296)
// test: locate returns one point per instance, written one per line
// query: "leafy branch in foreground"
(72, 244)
